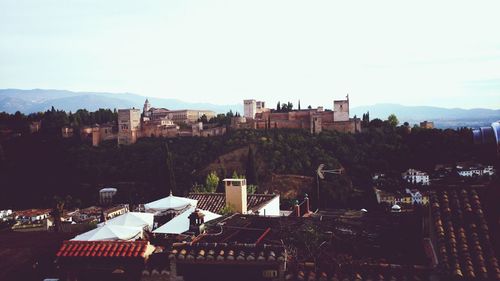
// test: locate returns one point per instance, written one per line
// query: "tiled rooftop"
(464, 247)
(356, 276)
(215, 202)
(103, 249)
(227, 253)
(32, 212)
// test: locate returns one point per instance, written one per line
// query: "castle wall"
(351, 126)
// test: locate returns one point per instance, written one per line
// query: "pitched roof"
(464, 245)
(111, 233)
(133, 219)
(170, 202)
(215, 202)
(105, 249)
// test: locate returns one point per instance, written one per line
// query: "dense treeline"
(52, 120)
(34, 170)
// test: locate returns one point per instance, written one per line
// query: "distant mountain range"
(442, 117)
(28, 101)
(36, 100)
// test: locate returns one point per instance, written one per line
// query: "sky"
(440, 53)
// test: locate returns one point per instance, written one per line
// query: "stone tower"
(146, 108)
(129, 125)
(341, 110)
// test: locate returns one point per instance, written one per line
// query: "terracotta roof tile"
(224, 252)
(215, 202)
(464, 247)
(136, 249)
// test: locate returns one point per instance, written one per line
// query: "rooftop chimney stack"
(236, 195)
(197, 222)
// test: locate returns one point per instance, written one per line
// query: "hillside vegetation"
(37, 167)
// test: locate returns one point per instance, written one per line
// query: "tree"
(236, 176)
(57, 213)
(212, 182)
(203, 119)
(278, 107)
(365, 122)
(376, 123)
(392, 120)
(169, 169)
(299, 105)
(251, 169)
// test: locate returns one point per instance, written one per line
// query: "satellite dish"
(320, 172)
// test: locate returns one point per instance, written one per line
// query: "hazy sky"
(443, 53)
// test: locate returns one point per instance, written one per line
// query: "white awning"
(133, 219)
(180, 223)
(111, 233)
(170, 203)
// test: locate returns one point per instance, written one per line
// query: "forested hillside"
(35, 168)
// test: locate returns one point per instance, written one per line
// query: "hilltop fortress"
(151, 122)
(161, 122)
(257, 116)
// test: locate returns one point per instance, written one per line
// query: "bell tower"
(147, 107)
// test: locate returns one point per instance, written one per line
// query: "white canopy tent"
(133, 219)
(111, 233)
(180, 223)
(170, 203)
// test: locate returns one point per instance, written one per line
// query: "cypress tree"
(251, 169)
(169, 168)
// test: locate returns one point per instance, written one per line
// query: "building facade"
(313, 120)
(416, 177)
(129, 125)
(427, 125)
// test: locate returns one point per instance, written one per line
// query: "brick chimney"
(236, 195)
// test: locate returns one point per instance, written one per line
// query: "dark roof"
(215, 202)
(304, 275)
(463, 241)
(227, 253)
(102, 249)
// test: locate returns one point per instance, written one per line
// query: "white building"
(106, 195)
(475, 171)
(489, 170)
(4, 214)
(416, 177)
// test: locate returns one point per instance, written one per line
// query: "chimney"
(306, 203)
(296, 208)
(197, 222)
(236, 195)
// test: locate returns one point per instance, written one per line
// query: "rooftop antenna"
(320, 174)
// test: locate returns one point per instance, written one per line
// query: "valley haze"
(37, 100)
